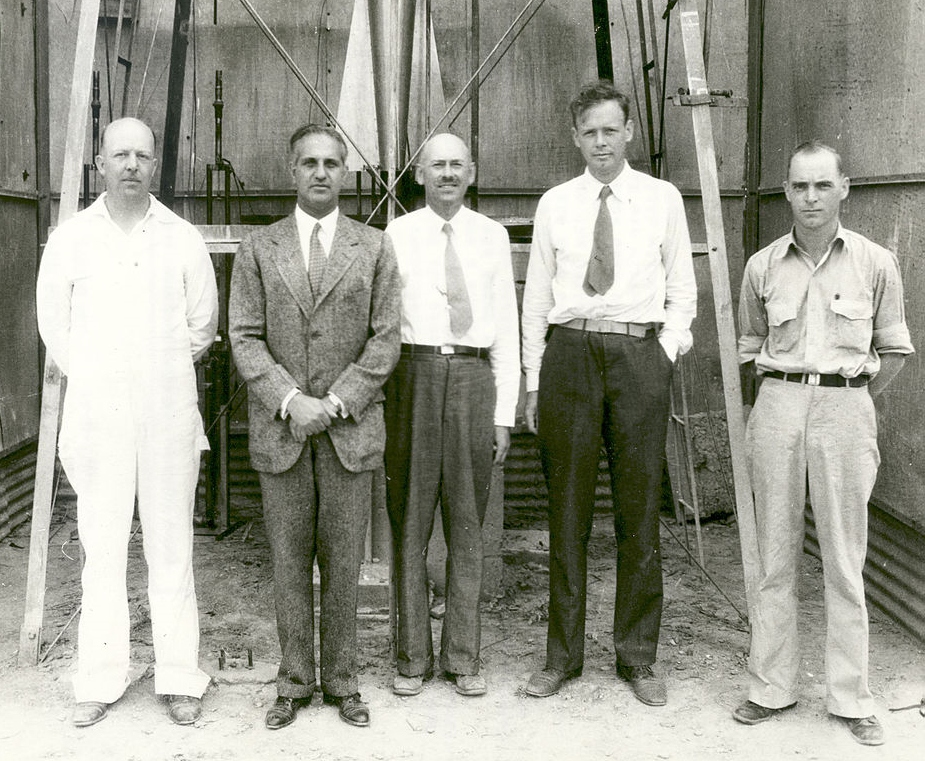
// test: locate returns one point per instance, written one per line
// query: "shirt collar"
(328, 221)
(438, 221)
(620, 186)
(98, 207)
(795, 247)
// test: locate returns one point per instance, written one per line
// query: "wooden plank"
(722, 295)
(30, 639)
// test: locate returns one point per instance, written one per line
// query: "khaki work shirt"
(834, 317)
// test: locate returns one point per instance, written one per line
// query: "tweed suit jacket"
(346, 341)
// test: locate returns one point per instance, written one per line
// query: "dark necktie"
(599, 277)
(316, 260)
(457, 295)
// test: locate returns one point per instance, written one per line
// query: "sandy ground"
(702, 653)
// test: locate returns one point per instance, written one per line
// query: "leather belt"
(635, 329)
(445, 350)
(820, 379)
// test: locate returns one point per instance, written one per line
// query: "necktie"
(599, 277)
(456, 294)
(316, 260)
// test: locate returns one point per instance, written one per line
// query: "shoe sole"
(82, 724)
(535, 694)
(471, 693)
(406, 693)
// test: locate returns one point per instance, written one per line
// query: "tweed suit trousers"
(440, 431)
(316, 509)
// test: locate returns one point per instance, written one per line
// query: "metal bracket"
(715, 98)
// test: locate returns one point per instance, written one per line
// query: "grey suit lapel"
(291, 264)
(344, 249)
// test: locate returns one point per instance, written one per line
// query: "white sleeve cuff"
(284, 407)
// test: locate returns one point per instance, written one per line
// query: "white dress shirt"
(653, 268)
(305, 224)
(484, 251)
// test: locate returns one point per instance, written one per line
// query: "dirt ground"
(702, 653)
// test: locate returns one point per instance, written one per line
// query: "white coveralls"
(124, 316)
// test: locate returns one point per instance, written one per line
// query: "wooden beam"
(176, 78)
(30, 639)
(601, 15)
(722, 295)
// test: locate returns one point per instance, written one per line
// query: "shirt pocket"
(852, 324)
(783, 328)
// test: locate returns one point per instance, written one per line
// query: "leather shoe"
(648, 687)
(351, 709)
(752, 713)
(407, 686)
(470, 685)
(547, 682)
(183, 709)
(282, 712)
(89, 712)
(866, 730)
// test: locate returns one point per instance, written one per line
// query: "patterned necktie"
(599, 276)
(456, 294)
(316, 260)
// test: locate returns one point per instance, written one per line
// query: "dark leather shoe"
(351, 708)
(183, 709)
(866, 730)
(548, 682)
(282, 712)
(752, 713)
(89, 712)
(648, 687)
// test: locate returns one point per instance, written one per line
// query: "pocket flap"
(778, 314)
(853, 309)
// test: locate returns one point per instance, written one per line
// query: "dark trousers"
(613, 389)
(439, 414)
(316, 509)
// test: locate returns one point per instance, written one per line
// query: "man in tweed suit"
(314, 326)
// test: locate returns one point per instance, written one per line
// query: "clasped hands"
(308, 415)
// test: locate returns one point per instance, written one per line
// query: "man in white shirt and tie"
(608, 303)
(450, 402)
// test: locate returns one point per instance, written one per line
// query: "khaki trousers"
(829, 435)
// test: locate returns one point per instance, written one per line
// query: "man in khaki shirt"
(822, 322)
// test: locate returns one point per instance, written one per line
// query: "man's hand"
(502, 443)
(530, 413)
(308, 416)
(890, 364)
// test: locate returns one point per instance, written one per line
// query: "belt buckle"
(812, 379)
(447, 349)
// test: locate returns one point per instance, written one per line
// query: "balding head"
(127, 163)
(446, 171)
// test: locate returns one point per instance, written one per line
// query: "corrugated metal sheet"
(17, 477)
(894, 574)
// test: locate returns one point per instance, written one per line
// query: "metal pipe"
(219, 106)
(474, 51)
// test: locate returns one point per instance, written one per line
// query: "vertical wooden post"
(722, 296)
(176, 78)
(30, 639)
